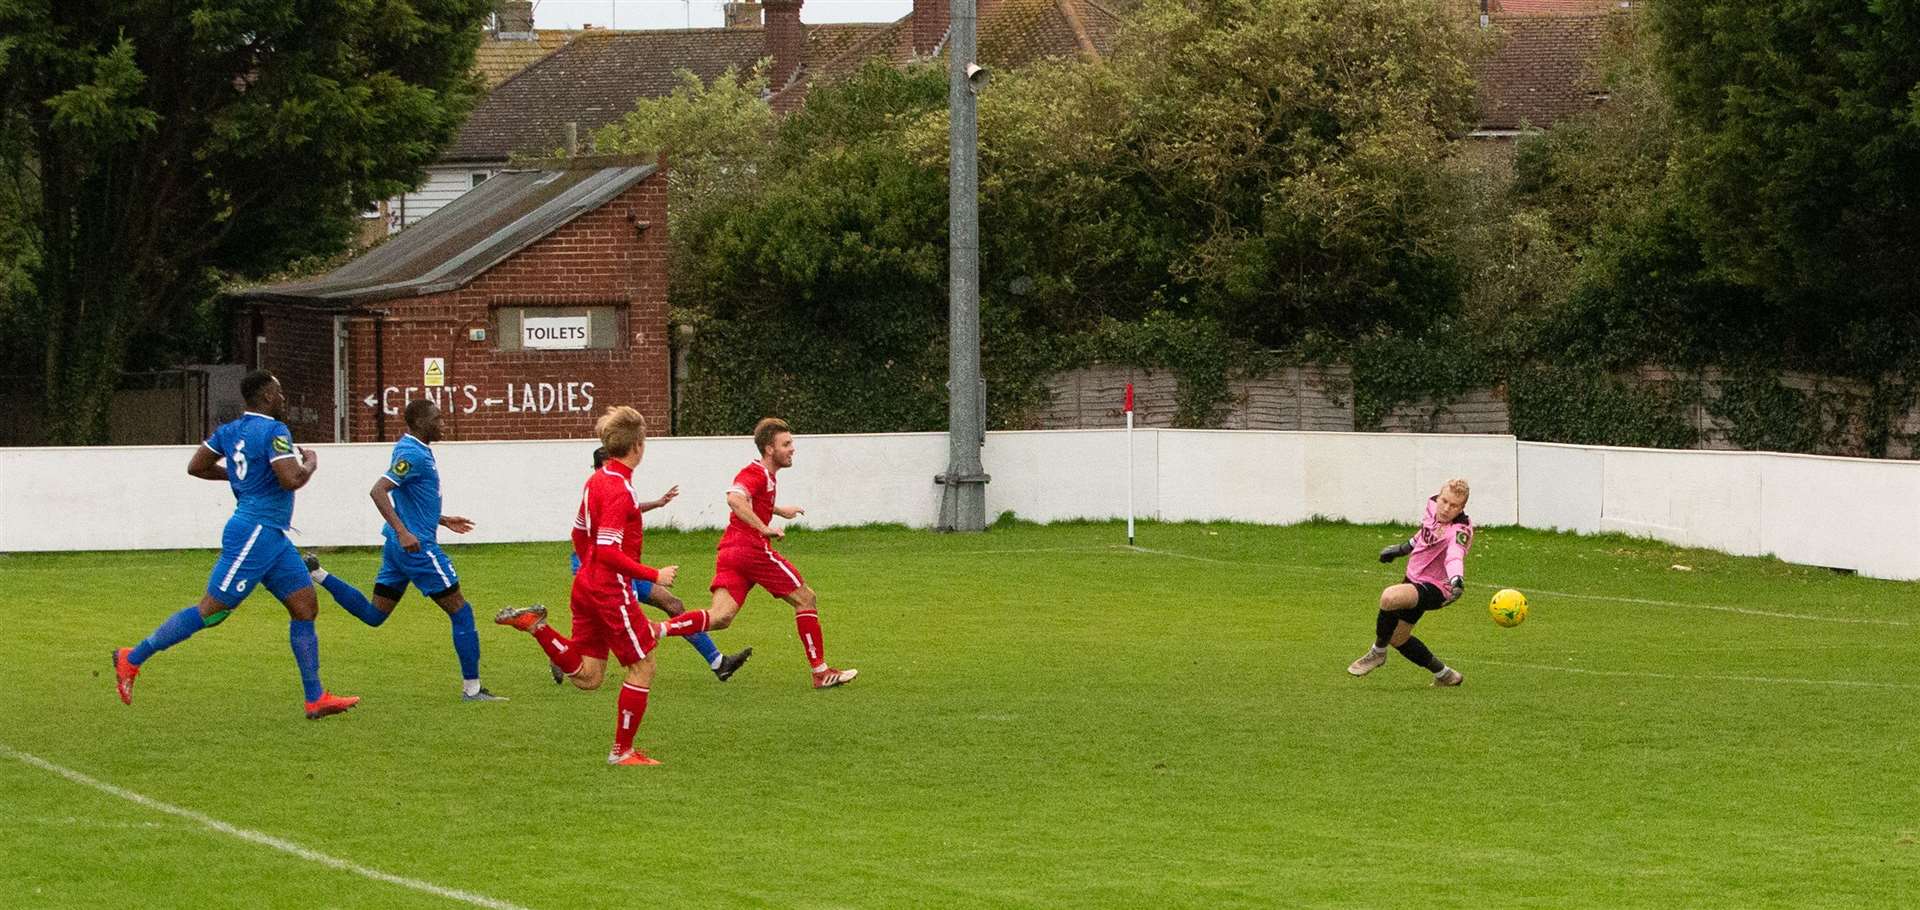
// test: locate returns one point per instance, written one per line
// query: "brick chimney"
(786, 40)
(930, 23)
(743, 14)
(513, 20)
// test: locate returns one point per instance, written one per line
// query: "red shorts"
(737, 569)
(610, 622)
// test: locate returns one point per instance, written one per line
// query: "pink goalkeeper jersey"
(1440, 551)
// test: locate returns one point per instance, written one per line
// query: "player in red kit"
(747, 558)
(606, 614)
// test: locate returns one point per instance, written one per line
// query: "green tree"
(1622, 275)
(172, 145)
(1797, 164)
(1276, 165)
(820, 297)
(717, 135)
(1238, 171)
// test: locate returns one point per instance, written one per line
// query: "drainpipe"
(677, 377)
(379, 375)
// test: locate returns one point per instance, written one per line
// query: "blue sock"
(178, 628)
(706, 647)
(355, 602)
(306, 653)
(466, 642)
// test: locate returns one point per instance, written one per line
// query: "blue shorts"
(252, 555)
(429, 569)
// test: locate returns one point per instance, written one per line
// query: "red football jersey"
(753, 481)
(607, 530)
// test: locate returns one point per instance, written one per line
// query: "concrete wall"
(1847, 513)
(1850, 513)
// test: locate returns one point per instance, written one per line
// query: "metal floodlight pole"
(963, 499)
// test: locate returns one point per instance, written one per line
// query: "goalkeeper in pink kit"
(1436, 571)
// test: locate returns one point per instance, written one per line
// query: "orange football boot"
(123, 674)
(522, 618)
(329, 703)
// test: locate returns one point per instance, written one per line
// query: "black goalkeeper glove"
(1395, 552)
(1456, 583)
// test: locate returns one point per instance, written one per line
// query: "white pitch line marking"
(1609, 598)
(265, 840)
(1789, 681)
(1747, 611)
(1098, 548)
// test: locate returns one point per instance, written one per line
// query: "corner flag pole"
(1129, 464)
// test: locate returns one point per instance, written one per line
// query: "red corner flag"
(1129, 464)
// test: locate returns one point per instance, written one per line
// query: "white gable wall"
(445, 183)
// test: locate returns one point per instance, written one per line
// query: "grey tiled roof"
(1542, 71)
(596, 78)
(468, 236)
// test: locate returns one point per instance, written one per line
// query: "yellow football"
(1509, 607)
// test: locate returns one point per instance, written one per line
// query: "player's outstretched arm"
(789, 512)
(667, 497)
(456, 523)
(205, 464)
(1396, 551)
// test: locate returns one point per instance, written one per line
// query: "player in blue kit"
(408, 497)
(264, 468)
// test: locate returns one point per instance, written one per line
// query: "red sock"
(692, 622)
(559, 650)
(633, 706)
(808, 623)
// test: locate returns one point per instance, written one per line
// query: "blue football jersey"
(250, 445)
(416, 489)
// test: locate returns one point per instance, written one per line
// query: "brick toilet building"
(524, 308)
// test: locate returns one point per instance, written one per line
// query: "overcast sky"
(697, 13)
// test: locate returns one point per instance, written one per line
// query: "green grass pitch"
(1043, 719)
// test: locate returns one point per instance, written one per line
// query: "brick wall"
(599, 259)
(786, 40)
(299, 350)
(931, 19)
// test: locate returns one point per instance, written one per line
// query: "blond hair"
(766, 430)
(1457, 485)
(621, 430)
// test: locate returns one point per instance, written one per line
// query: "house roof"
(595, 79)
(1556, 7)
(1009, 33)
(497, 60)
(1542, 70)
(468, 236)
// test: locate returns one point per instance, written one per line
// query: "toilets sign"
(554, 333)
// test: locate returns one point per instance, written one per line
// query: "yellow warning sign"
(436, 372)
